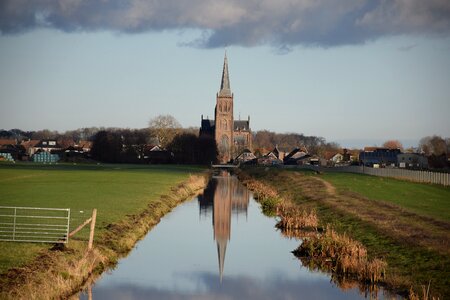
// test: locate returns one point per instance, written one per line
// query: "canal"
(217, 246)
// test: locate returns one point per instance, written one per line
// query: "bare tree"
(165, 128)
(433, 145)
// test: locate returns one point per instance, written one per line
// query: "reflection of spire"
(221, 250)
(222, 218)
(223, 195)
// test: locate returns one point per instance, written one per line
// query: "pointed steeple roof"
(221, 249)
(225, 90)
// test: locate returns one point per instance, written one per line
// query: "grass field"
(426, 199)
(115, 190)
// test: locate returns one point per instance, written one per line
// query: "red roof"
(30, 143)
(8, 142)
(329, 154)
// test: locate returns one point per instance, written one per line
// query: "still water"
(216, 246)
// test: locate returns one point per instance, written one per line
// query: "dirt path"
(392, 220)
(331, 190)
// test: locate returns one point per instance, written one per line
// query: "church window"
(224, 142)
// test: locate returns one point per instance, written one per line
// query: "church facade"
(231, 136)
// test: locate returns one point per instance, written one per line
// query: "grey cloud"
(282, 23)
(407, 48)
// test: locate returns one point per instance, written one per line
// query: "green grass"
(115, 190)
(424, 199)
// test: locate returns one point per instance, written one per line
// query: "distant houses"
(67, 150)
(377, 157)
(43, 151)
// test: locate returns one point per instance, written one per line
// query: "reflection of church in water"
(224, 196)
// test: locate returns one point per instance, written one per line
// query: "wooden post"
(91, 235)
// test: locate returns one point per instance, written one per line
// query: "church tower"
(224, 122)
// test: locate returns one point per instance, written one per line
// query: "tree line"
(183, 145)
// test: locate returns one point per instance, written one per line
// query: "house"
(84, 145)
(47, 146)
(6, 142)
(15, 150)
(371, 156)
(296, 156)
(154, 154)
(29, 146)
(412, 161)
(272, 158)
(333, 158)
(66, 143)
(246, 157)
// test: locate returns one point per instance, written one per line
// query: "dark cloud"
(282, 23)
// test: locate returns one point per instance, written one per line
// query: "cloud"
(233, 287)
(407, 48)
(281, 23)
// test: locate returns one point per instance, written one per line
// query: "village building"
(412, 161)
(378, 156)
(30, 146)
(246, 157)
(298, 156)
(231, 136)
(47, 146)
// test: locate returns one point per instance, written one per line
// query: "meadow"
(116, 191)
(426, 199)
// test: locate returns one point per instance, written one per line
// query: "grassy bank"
(424, 199)
(415, 244)
(129, 199)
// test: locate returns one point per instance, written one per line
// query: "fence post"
(91, 234)
(14, 226)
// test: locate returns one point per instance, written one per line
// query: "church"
(232, 136)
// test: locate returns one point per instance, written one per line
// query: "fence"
(412, 175)
(33, 224)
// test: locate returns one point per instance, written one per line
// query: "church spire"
(221, 249)
(225, 90)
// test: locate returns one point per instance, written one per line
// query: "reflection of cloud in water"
(237, 287)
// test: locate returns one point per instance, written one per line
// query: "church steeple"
(225, 90)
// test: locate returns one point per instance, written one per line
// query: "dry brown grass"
(53, 274)
(424, 295)
(291, 216)
(260, 190)
(346, 256)
(294, 217)
(58, 274)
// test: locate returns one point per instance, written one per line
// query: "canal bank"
(218, 245)
(59, 273)
(414, 246)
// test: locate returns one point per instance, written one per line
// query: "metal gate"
(34, 224)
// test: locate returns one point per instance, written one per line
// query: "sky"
(358, 72)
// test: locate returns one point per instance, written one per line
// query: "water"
(216, 246)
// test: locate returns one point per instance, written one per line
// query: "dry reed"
(425, 294)
(293, 217)
(346, 256)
